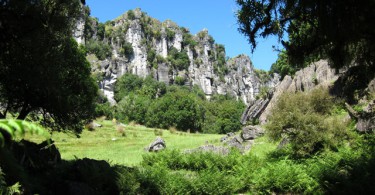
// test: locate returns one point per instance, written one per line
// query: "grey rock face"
(371, 86)
(78, 32)
(254, 110)
(157, 145)
(239, 80)
(251, 132)
(366, 121)
(317, 74)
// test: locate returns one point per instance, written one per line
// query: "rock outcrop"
(317, 74)
(154, 45)
(251, 132)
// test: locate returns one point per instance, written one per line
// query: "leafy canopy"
(43, 70)
(341, 30)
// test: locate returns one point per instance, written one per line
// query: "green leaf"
(19, 128)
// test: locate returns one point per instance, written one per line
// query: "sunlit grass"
(107, 143)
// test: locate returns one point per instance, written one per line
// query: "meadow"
(123, 145)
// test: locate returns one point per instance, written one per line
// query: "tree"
(178, 109)
(43, 70)
(340, 30)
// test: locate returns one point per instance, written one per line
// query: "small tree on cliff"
(42, 69)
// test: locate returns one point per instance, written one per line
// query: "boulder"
(157, 145)
(226, 137)
(210, 148)
(236, 142)
(251, 132)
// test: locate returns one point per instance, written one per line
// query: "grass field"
(107, 143)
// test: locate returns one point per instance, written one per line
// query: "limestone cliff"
(144, 46)
(317, 74)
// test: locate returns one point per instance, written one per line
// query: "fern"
(18, 128)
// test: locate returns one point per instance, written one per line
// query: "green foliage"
(284, 176)
(170, 34)
(264, 92)
(188, 40)
(222, 115)
(282, 65)
(100, 31)
(126, 84)
(130, 14)
(128, 180)
(305, 119)
(104, 109)
(127, 49)
(220, 67)
(179, 80)
(152, 88)
(18, 128)
(133, 108)
(350, 170)
(315, 29)
(101, 49)
(263, 75)
(151, 55)
(50, 70)
(135, 95)
(175, 109)
(198, 173)
(179, 60)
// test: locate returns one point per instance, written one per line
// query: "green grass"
(262, 146)
(106, 143)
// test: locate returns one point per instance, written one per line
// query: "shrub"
(131, 15)
(126, 84)
(127, 180)
(104, 109)
(170, 34)
(222, 115)
(179, 60)
(304, 118)
(100, 49)
(179, 80)
(284, 176)
(127, 49)
(133, 108)
(179, 109)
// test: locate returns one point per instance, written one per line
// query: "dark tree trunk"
(24, 112)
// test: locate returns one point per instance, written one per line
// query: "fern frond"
(18, 128)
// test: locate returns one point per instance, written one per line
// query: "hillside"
(139, 44)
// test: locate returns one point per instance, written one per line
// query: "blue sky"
(216, 16)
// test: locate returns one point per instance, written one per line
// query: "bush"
(126, 84)
(283, 177)
(179, 60)
(130, 14)
(127, 49)
(222, 115)
(133, 108)
(127, 180)
(304, 118)
(104, 109)
(100, 49)
(179, 109)
(179, 80)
